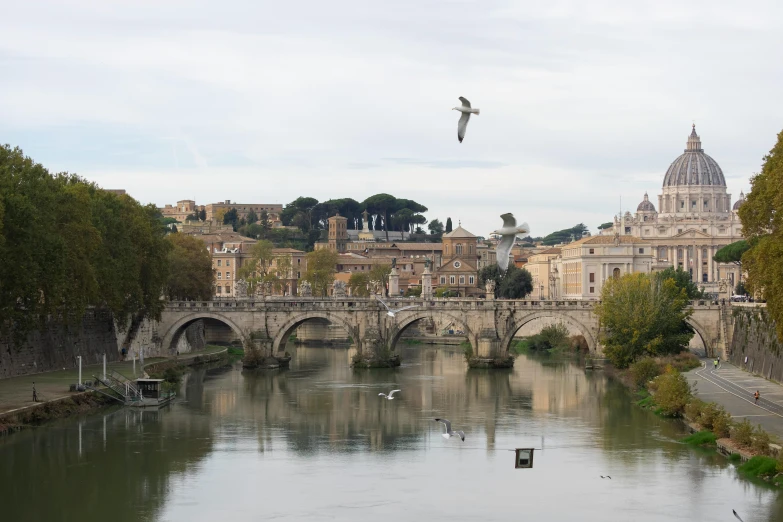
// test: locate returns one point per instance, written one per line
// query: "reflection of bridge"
(489, 325)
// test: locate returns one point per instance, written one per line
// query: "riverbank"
(17, 409)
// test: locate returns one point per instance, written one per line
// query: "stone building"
(243, 209)
(182, 210)
(694, 218)
(459, 270)
(540, 266)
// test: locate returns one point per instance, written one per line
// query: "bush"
(721, 425)
(556, 335)
(742, 433)
(708, 414)
(578, 343)
(671, 392)
(761, 441)
(701, 438)
(693, 409)
(760, 466)
(644, 370)
(684, 361)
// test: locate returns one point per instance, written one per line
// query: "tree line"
(66, 245)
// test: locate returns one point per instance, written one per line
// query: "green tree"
(671, 392)
(191, 217)
(516, 283)
(740, 289)
(381, 204)
(379, 274)
(265, 224)
(359, 284)
(448, 225)
(321, 266)
(762, 225)
(259, 268)
(202, 215)
(566, 235)
(252, 217)
(435, 227)
(301, 205)
(683, 280)
(231, 218)
(190, 269)
(642, 316)
(732, 253)
(606, 225)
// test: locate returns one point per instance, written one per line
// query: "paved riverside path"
(733, 388)
(17, 392)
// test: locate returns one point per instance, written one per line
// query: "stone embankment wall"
(56, 347)
(754, 343)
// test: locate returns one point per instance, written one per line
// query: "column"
(426, 285)
(394, 283)
(710, 277)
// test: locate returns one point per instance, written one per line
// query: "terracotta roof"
(287, 251)
(419, 246)
(549, 251)
(605, 240)
(459, 232)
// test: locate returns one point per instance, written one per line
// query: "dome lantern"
(694, 167)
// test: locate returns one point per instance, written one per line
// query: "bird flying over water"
(390, 396)
(736, 515)
(466, 111)
(391, 312)
(449, 432)
(606, 477)
(508, 235)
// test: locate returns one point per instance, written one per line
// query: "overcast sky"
(582, 103)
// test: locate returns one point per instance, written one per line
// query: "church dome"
(646, 205)
(739, 202)
(694, 167)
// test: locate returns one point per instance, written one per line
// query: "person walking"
(756, 396)
(715, 363)
(35, 394)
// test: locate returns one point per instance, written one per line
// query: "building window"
(443, 280)
(458, 249)
(218, 289)
(462, 280)
(679, 231)
(220, 275)
(471, 280)
(228, 262)
(228, 289)
(298, 261)
(705, 204)
(219, 262)
(592, 289)
(682, 204)
(592, 250)
(641, 251)
(592, 277)
(228, 275)
(704, 230)
(298, 275)
(616, 273)
(627, 230)
(451, 280)
(704, 255)
(457, 264)
(693, 204)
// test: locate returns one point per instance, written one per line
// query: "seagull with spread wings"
(449, 432)
(390, 396)
(508, 235)
(466, 111)
(391, 312)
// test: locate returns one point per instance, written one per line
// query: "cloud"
(581, 103)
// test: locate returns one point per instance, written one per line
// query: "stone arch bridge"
(489, 325)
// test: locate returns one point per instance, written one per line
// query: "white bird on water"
(509, 233)
(466, 111)
(390, 396)
(391, 312)
(449, 432)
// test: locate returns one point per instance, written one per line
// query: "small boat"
(141, 393)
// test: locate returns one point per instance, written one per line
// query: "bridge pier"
(374, 352)
(489, 352)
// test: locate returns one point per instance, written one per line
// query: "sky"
(583, 104)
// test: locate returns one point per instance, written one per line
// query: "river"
(317, 443)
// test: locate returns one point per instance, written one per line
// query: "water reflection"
(316, 442)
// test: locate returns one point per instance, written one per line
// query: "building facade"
(459, 270)
(694, 219)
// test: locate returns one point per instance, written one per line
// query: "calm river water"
(317, 443)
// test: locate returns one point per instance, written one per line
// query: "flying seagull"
(449, 433)
(391, 312)
(610, 478)
(466, 111)
(390, 396)
(509, 233)
(736, 515)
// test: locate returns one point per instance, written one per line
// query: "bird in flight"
(466, 111)
(449, 432)
(736, 515)
(508, 235)
(390, 396)
(606, 477)
(391, 312)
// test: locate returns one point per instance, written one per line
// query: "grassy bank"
(48, 411)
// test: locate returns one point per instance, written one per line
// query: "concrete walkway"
(733, 388)
(17, 392)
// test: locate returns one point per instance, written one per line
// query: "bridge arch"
(175, 331)
(518, 322)
(398, 327)
(292, 324)
(702, 333)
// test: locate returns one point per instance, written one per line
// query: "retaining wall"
(754, 343)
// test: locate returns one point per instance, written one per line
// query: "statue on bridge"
(240, 288)
(427, 263)
(490, 288)
(305, 290)
(394, 262)
(338, 289)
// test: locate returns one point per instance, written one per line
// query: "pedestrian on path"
(35, 395)
(715, 363)
(756, 396)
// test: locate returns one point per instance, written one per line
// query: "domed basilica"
(694, 219)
